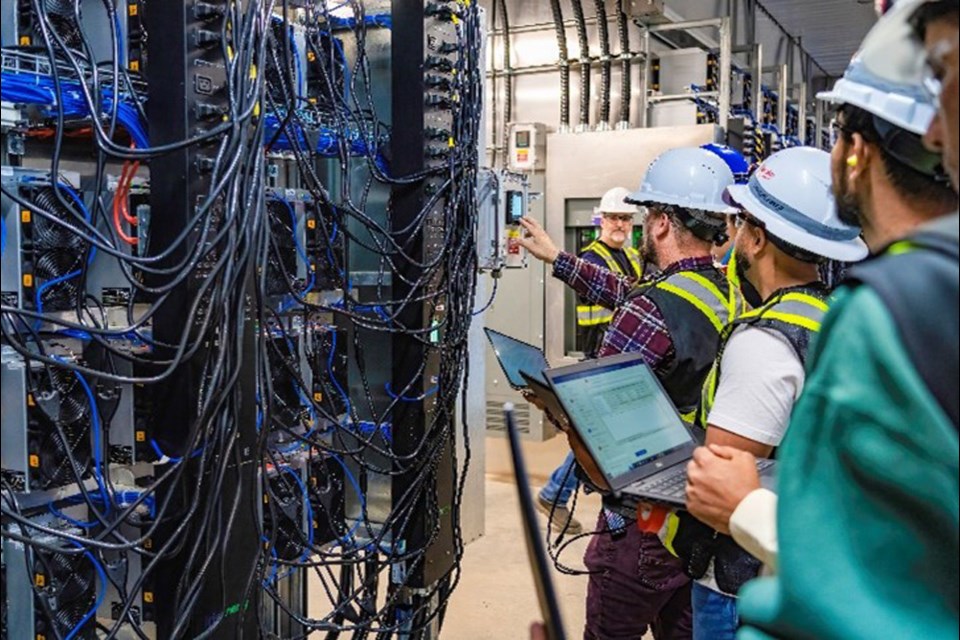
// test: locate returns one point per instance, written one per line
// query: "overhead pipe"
(584, 65)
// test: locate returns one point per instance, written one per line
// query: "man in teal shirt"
(868, 519)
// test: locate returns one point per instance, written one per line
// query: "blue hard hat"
(734, 159)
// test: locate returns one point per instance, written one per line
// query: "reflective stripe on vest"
(734, 279)
(702, 294)
(591, 315)
(795, 308)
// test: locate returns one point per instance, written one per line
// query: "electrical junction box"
(527, 148)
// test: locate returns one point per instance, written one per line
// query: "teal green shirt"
(869, 503)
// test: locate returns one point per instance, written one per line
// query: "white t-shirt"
(761, 378)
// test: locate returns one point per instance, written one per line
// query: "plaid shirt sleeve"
(638, 326)
(593, 283)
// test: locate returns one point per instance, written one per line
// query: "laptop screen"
(622, 413)
(515, 356)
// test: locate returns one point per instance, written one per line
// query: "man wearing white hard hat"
(787, 227)
(673, 320)
(865, 538)
(612, 251)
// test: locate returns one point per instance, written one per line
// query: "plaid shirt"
(637, 324)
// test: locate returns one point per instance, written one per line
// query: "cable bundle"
(328, 409)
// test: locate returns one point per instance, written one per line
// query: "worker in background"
(673, 320)
(787, 227)
(865, 534)
(613, 251)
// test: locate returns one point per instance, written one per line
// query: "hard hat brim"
(899, 110)
(844, 250)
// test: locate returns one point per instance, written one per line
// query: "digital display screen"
(523, 139)
(516, 206)
(623, 415)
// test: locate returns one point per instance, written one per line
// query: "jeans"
(562, 483)
(714, 614)
(634, 584)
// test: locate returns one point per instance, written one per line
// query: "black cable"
(563, 63)
(625, 77)
(602, 29)
(584, 63)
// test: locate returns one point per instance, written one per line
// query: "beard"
(750, 293)
(848, 204)
(649, 251)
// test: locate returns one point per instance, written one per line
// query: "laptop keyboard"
(672, 483)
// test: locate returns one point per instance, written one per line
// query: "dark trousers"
(635, 583)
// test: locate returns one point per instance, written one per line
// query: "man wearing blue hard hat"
(863, 530)
(674, 321)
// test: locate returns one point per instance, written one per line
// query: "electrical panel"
(528, 144)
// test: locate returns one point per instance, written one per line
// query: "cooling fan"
(60, 14)
(57, 253)
(70, 588)
(60, 400)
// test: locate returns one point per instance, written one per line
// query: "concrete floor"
(496, 598)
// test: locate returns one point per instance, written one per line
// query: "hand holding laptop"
(718, 479)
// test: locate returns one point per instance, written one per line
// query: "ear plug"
(852, 161)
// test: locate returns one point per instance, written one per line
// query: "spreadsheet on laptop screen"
(622, 414)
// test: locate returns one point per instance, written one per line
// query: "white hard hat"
(614, 201)
(886, 75)
(687, 177)
(790, 194)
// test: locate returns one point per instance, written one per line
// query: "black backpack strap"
(918, 281)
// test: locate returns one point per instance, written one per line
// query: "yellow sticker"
(39, 579)
(311, 56)
(24, 41)
(132, 9)
(25, 216)
(311, 224)
(140, 436)
(148, 597)
(317, 396)
(28, 279)
(30, 401)
(134, 65)
(34, 460)
(148, 543)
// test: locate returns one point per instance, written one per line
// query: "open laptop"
(515, 356)
(631, 428)
(539, 564)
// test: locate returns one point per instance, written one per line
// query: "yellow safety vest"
(795, 309)
(795, 312)
(591, 315)
(720, 308)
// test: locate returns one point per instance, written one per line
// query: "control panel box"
(528, 146)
